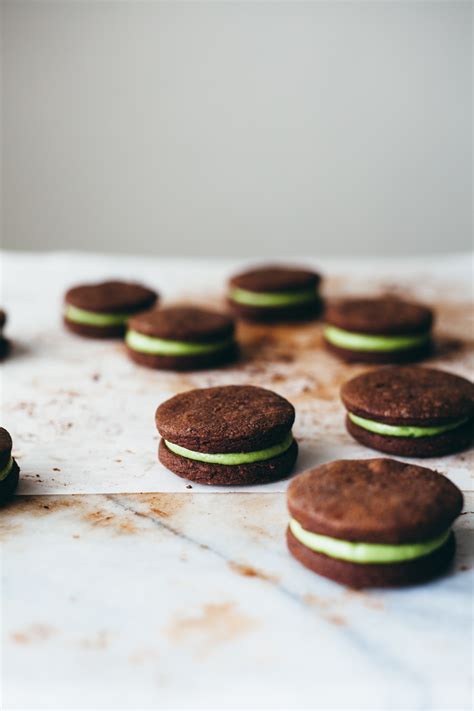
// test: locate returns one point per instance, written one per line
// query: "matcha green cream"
(402, 430)
(92, 318)
(358, 552)
(233, 458)
(365, 342)
(270, 299)
(160, 346)
(6, 469)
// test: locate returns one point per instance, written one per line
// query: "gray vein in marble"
(373, 651)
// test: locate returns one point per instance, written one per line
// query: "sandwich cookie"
(410, 411)
(232, 435)
(181, 338)
(9, 469)
(102, 310)
(378, 330)
(373, 522)
(275, 293)
(4, 342)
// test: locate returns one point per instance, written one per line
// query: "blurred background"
(237, 128)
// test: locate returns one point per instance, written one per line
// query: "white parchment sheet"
(81, 414)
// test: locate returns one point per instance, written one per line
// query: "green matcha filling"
(403, 430)
(6, 469)
(272, 298)
(233, 458)
(365, 342)
(161, 346)
(91, 318)
(357, 552)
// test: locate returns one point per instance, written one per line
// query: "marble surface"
(191, 601)
(176, 600)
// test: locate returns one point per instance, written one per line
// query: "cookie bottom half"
(374, 575)
(407, 355)
(283, 314)
(183, 363)
(5, 347)
(262, 472)
(84, 329)
(434, 446)
(9, 484)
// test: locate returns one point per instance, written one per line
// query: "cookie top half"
(374, 501)
(380, 316)
(184, 323)
(5, 442)
(111, 297)
(230, 418)
(276, 278)
(409, 395)
(5, 447)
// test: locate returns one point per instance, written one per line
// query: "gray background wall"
(237, 128)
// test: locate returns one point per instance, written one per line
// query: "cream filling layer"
(403, 430)
(93, 318)
(366, 342)
(231, 458)
(162, 346)
(269, 299)
(366, 553)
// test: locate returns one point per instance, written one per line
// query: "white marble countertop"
(190, 600)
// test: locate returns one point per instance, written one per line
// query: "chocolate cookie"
(181, 338)
(275, 293)
(373, 522)
(9, 469)
(229, 435)
(4, 342)
(410, 411)
(102, 310)
(378, 330)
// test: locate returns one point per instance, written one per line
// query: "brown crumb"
(249, 571)
(34, 633)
